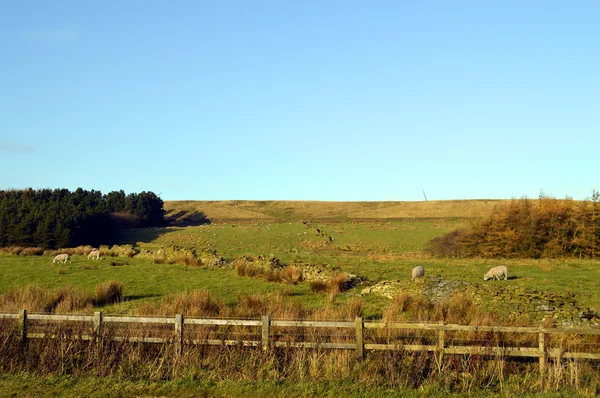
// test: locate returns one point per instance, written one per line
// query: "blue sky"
(302, 100)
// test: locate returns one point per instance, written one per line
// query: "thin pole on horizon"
(424, 194)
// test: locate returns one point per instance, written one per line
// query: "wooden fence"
(358, 335)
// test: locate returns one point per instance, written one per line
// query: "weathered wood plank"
(131, 319)
(456, 328)
(313, 324)
(407, 347)
(306, 344)
(559, 353)
(245, 343)
(498, 351)
(595, 332)
(9, 316)
(224, 322)
(395, 325)
(53, 317)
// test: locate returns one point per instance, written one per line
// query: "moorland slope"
(297, 210)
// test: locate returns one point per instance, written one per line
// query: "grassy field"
(376, 249)
(358, 239)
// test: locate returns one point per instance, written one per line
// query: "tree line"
(524, 228)
(59, 218)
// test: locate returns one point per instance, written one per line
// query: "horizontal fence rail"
(359, 335)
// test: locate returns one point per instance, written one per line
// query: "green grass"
(143, 280)
(28, 385)
(377, 250)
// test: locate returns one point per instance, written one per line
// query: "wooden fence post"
(23, 325)
(542, 348)
(360, 345)
(266, 331)
(441, 341)
(23, 331)
(97, 322)
(441, 344)
(178, 334)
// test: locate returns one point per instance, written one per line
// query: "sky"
(335, 100)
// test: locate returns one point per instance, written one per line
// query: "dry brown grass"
(37, 299)
(109, 293)
(318, 285)
(315, 244)
(337, 283)
(269, 210)
(289, 274)
(193, 303)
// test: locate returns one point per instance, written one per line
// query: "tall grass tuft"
(37, 299)
(192, 303)
(109, 293)
(318, 285)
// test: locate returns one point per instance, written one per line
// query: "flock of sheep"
(64, 257)
(493, 273)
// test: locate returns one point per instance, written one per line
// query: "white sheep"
(94, 254)
(62, 258)
(496, 273)
(418, 272)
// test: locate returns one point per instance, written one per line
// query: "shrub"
(194, 303)
(337, 283)
(37, 299)
(521, 228)
(32, 251)
(318, 285)
(291, 275)
(109, 293)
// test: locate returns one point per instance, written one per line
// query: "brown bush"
(193, 303)
(399, 305)
(38, 299)
(521, 228)
(318, 285)
(337, 283)
(243, 268)
(291, 275)
(32, 251)
(109, 293)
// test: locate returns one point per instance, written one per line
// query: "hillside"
(192, 211)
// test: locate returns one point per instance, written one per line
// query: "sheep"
(496, 273)
(95, 253)
(62, 258)
(418, 272)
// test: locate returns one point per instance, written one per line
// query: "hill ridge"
(182, 210)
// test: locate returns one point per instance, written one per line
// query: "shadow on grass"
(144, 235)
(140, 296)
(147, 235)
(186, 218)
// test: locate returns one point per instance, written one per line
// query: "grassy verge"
(30, 385)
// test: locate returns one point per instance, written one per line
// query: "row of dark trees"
(524, 228)
(59, 218)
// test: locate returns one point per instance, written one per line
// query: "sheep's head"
(486, 277)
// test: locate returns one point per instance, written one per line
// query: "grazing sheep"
(94, 254)
(496, 273)
(62, 258)
(418, 272)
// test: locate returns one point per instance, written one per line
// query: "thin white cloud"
(53, 37)
(15, 148)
